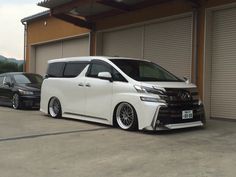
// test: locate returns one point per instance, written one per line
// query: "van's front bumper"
(176, 126)
(167, 119)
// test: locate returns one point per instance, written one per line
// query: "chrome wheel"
(126, 116)
(54, 108)
(16, 101)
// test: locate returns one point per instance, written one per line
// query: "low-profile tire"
(126, 117)
(16, 104)
(54, 108)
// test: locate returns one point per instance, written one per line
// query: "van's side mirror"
(105, 75)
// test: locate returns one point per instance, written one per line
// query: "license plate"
(187, 114)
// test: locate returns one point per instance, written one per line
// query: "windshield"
(28, 79)
(144, 70)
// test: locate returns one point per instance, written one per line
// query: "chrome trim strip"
(153, 124)
(155, 117)
(184, 125)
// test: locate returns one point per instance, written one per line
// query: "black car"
(20, 90)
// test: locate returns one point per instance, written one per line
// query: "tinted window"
(28, 79)
(117, 76)
(97, 68)
(144, 70)
(74, 69)
(148, 70)
(55, 69)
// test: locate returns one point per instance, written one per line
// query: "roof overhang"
(36, 16)
(84, 13)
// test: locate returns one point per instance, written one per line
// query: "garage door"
(126, 42)
(65, 48)
(223, 78)
(168, 43)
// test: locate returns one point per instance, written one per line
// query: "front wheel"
(126, 117)
(16, 104)
(54, 108)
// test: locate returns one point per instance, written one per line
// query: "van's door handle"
(81, 84)
(87, 85)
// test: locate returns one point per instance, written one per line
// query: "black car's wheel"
(16, 104)
(126, 117)
(54, 108)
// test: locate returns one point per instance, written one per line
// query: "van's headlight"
(143, 89)
(24, 92)
(152, 99)
(140, 89)
(152, 90)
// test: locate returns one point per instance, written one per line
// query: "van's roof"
(89, 58)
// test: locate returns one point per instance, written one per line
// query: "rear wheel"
(126, 117)
(16, 104)
(54, 108)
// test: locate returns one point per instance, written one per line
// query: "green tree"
(21, 67)
(8, 67)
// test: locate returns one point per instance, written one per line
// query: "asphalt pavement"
(35, 145)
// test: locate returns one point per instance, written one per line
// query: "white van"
(130, 93)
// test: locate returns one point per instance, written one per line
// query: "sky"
(11, 28)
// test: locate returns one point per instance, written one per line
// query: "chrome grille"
(177, 101)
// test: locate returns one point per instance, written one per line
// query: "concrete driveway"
(34, 145)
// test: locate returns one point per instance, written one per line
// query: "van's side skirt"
(91, 117)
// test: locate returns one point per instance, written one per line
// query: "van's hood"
(169, 84)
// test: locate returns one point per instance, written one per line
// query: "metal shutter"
(169, 44)
(127, 42)
(75, 47)
(60, 49)
(223, 77)
(45, 53)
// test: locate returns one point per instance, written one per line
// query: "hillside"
(2, 58)
(11, 60)
(10, 65)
